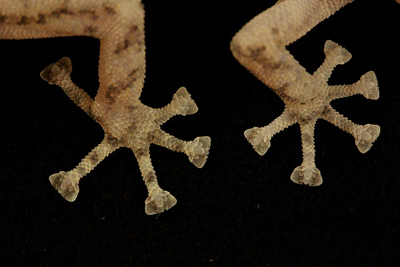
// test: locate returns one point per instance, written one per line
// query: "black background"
(241, 209)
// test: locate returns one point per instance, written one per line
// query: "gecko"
(126, 121)
(260, 46)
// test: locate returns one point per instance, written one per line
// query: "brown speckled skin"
(260, 46)
(119, 25)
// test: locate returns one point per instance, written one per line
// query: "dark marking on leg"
(133, 37)
(130, 79)
(3, 19)
(94, 158)
(281, 90)
(307, 138)
(275, 31)
(150, 177)
(114, 90)
(113, 140)
(110, 11)
(24, 21)
(273, 65)
(92, 14)
(305, 120)
(111, 93)
(326, 110)
(62, 11)
(255, 53)
(258, 55)
(141, 153)
(42, 19)
(133, 72)
(132, 108)
(91, 29)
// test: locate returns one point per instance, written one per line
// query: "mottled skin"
(260, 46)
(119, 25)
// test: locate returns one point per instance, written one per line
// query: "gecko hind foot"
(256, 138)
(309, 176)
(370, 85)
(159, 201)
(65, 184)
(183, 100)
(56, 71)
(365, 136)
(198, 150)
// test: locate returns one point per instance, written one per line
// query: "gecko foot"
(65, 184)
(308, 176)
(365, 136)
(198, 149)
(341, 55)
(260, 142)
(158, 201)
(370, 85)
(183, 101)
(55, 72)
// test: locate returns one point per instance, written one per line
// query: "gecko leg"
(158, 199)
(66, 183)
(197, 150)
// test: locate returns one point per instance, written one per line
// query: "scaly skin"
(126, 121)
(260, 46)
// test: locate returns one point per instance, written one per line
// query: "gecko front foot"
(260, 142)
(158, 201)
(66, 184)
(307, 176)
(365, 136)
(197, 150)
